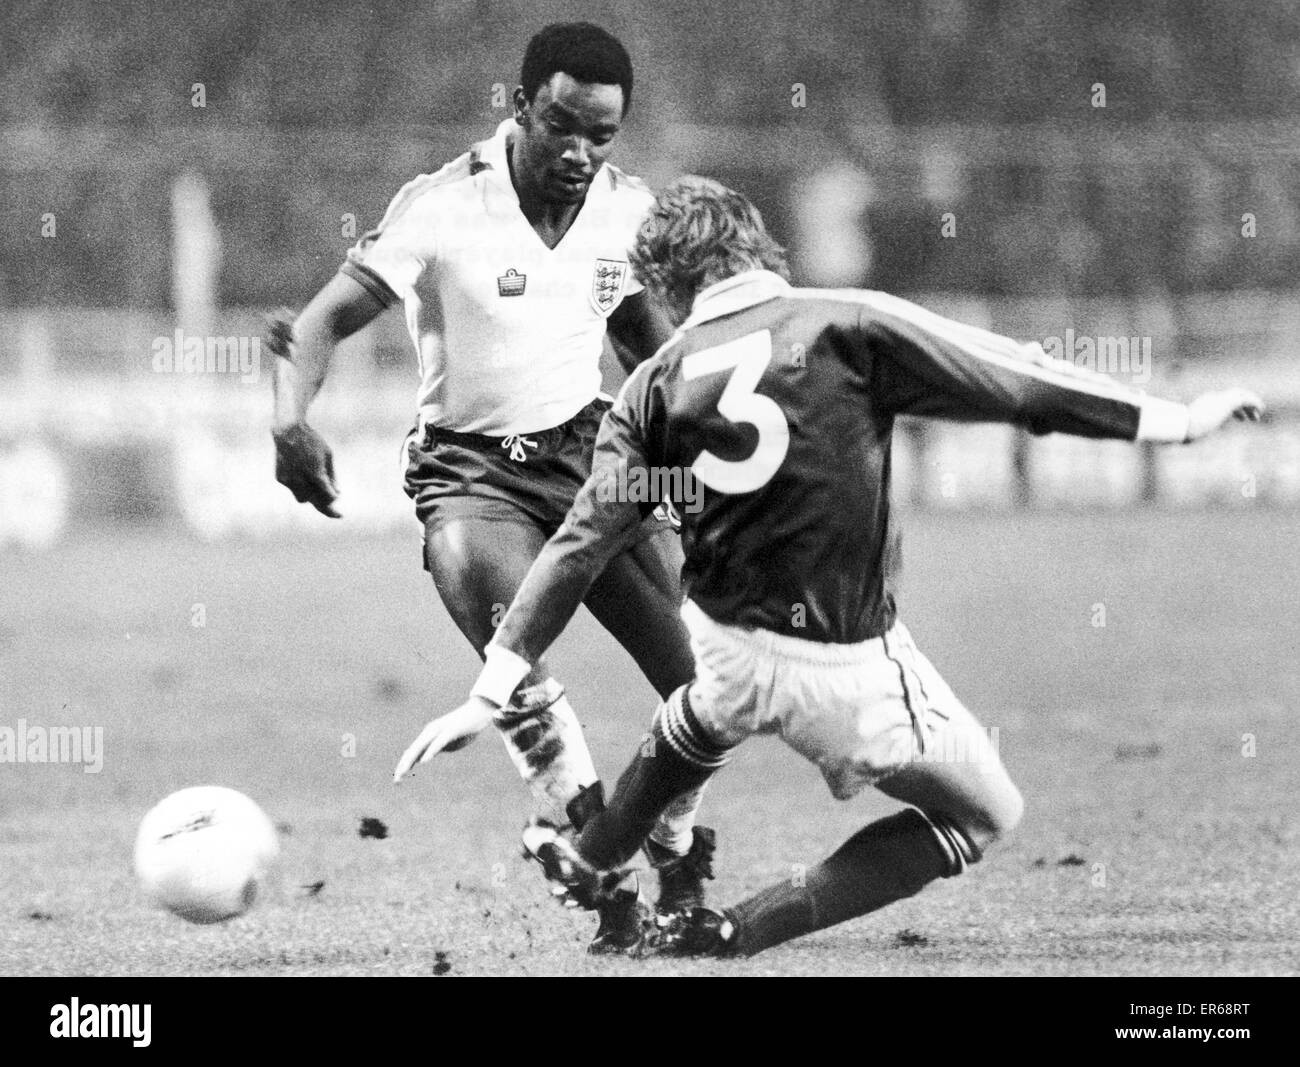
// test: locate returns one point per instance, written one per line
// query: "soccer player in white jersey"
(510, 263)
(781, 402)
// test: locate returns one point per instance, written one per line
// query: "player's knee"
(966, 837)
(997, 816)
(1013, 811)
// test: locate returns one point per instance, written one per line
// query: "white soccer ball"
(204, 853)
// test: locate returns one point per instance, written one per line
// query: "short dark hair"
(581, 50)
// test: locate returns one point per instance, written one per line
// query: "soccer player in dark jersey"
(781, 403)
(509, 264)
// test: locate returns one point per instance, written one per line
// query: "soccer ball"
(204, 852)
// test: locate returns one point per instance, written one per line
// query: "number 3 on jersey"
(747, 358)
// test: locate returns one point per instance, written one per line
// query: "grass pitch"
(1156, 753)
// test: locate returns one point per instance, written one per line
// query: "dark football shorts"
(449, 475)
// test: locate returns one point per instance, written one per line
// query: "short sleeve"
(389, 259)
(385, 264)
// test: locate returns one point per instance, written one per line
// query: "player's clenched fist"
(305, 465)
(1210, 411)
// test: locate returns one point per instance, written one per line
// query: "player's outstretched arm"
(929, 365)
(304, 349)
(1210, 412)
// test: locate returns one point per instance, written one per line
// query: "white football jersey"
(507, 331)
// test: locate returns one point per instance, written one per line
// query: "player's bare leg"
(638, 600)
(477, 560)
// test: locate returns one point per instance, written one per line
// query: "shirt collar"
(492, 153)
(736, 293)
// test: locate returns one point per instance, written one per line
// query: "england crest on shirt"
(607, 284)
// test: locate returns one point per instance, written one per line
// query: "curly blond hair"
(699, 232)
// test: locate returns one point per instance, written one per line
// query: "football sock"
(672, 832)
(547, 746)
(676, 759)
(889, 860)
(589, 803)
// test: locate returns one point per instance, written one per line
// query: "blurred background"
(1117, 180)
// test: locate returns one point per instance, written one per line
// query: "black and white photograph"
(557, 489)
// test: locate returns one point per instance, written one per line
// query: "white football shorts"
(860, 712)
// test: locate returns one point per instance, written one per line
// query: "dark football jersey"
(768, 419)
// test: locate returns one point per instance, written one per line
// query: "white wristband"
(1164, 421)
(501, 674)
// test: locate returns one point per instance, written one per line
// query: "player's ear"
(522, 106)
